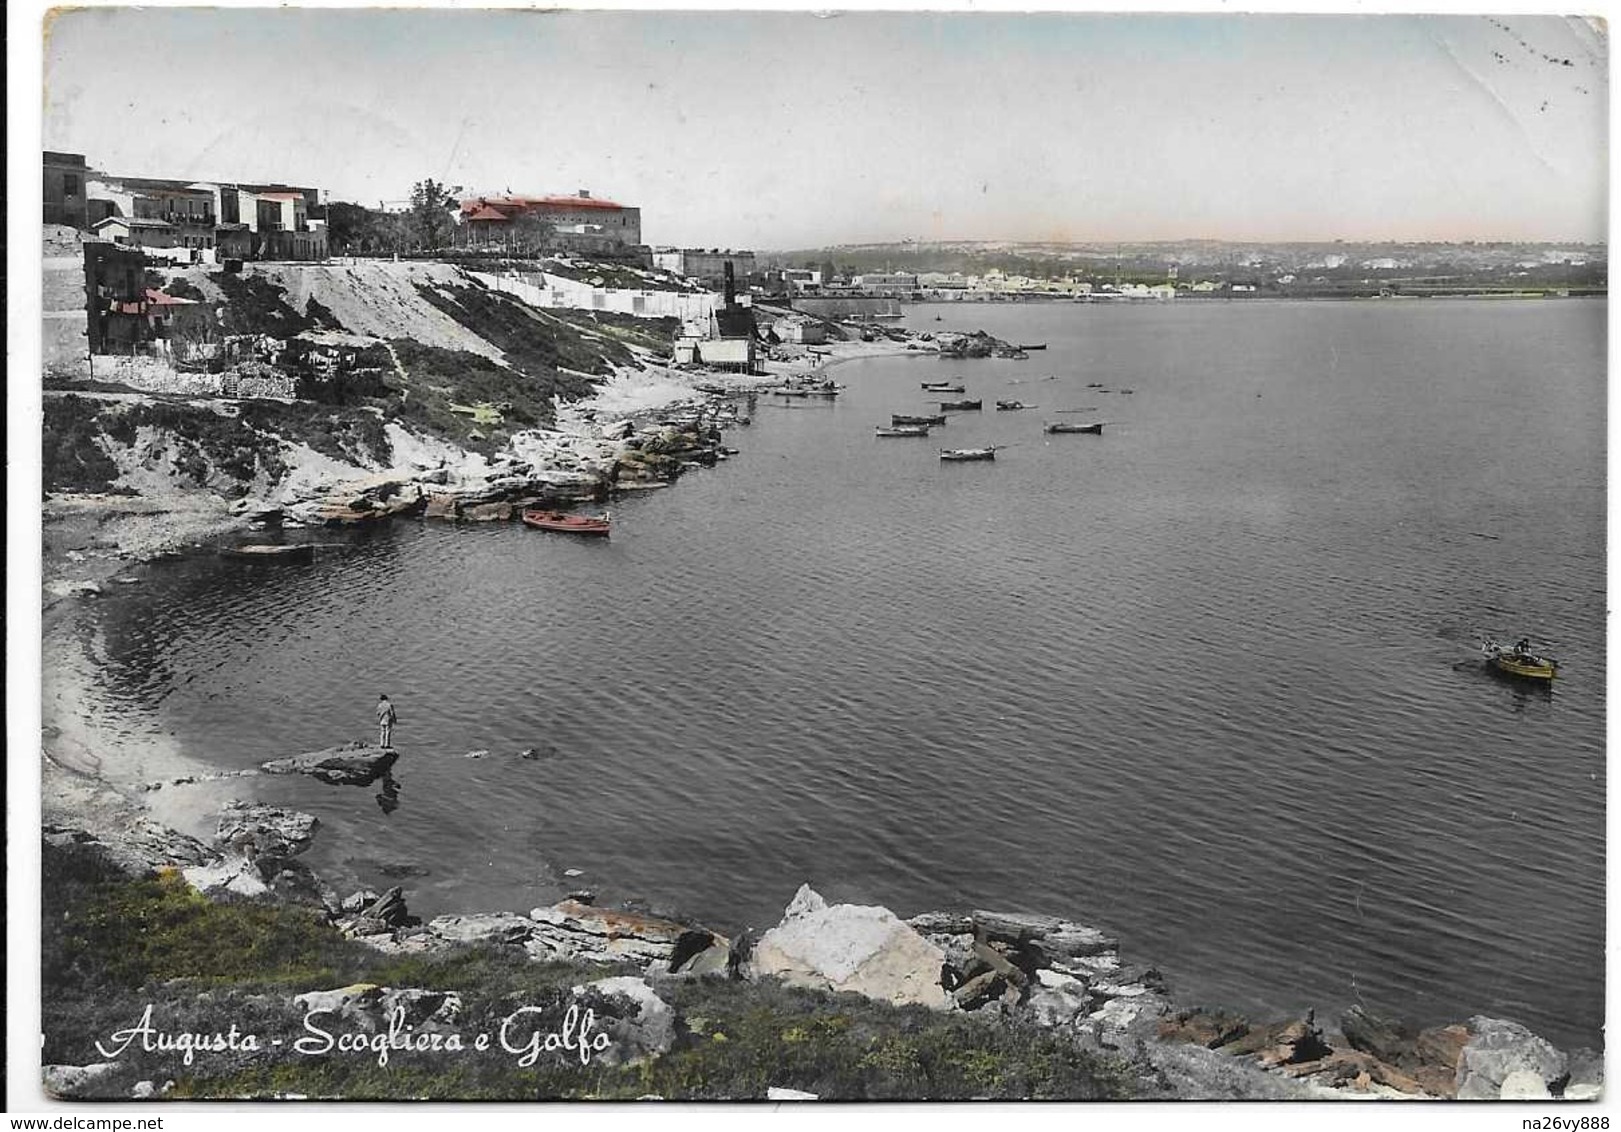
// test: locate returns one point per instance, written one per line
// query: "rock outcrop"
(138, 847)
(640, 1025)
(1486, 1058)
(258, 844)
(572, 930)
(257, 830)
(70, 1081)
(1504, 1059)
(1052, 971)
(349, 764)
(862, 949)
(369, 1007)
(568, 930)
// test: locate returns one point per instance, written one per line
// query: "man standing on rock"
(385, 722)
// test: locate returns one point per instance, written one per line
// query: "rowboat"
(968, 453)
(1060, 426)
(961, 404)
(1520, 661)
(945, 386)
(264, 552)
(1009, 406)
(899, 419)
(902, 430)
(562, 521)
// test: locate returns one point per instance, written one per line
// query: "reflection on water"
(1199, 680)
(388, 798)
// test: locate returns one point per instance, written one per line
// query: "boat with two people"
(568, 524)
(1011, 406)
(1519, 660)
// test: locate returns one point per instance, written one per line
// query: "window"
(70, 184)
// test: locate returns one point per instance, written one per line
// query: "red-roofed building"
(581, 220)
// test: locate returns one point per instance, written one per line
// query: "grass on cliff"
(535, 342)
(209, 449)
(655, 334)
(73, 458)
(437, 379)
(113, 945)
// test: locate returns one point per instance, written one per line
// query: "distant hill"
(1025, 257)
(1322, 268)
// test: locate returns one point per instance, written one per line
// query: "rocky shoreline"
(1061, 977)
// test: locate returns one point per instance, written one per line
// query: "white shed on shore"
(800, 330)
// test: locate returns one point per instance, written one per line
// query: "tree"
(431, 205)
(530, 233)
(350, 227)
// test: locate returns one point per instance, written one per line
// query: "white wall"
(572, 294)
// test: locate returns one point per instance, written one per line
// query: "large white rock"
(1498, 1049)
(851, 947)
(1524, 1085)
(645, 1031)
(69, 1081)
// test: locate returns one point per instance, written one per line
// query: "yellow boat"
(1520, 661)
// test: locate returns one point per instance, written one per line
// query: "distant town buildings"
(577, 223)
(885, 283)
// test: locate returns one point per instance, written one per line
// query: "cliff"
(321, 393)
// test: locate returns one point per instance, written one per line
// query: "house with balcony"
(209, 219)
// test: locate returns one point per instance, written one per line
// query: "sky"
(777, 130)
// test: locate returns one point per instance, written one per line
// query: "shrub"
(73, 459)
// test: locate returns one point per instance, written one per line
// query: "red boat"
(562, 521)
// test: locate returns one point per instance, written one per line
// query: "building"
(252, 221)
(115, 298)
(188, 210)
(65, 189)
(137, 232)
(801, 331)
(801, 280)
(729, 343)
(233, 241)
(885, 283)
(706, 266)
(581, 221)
(306, 243)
